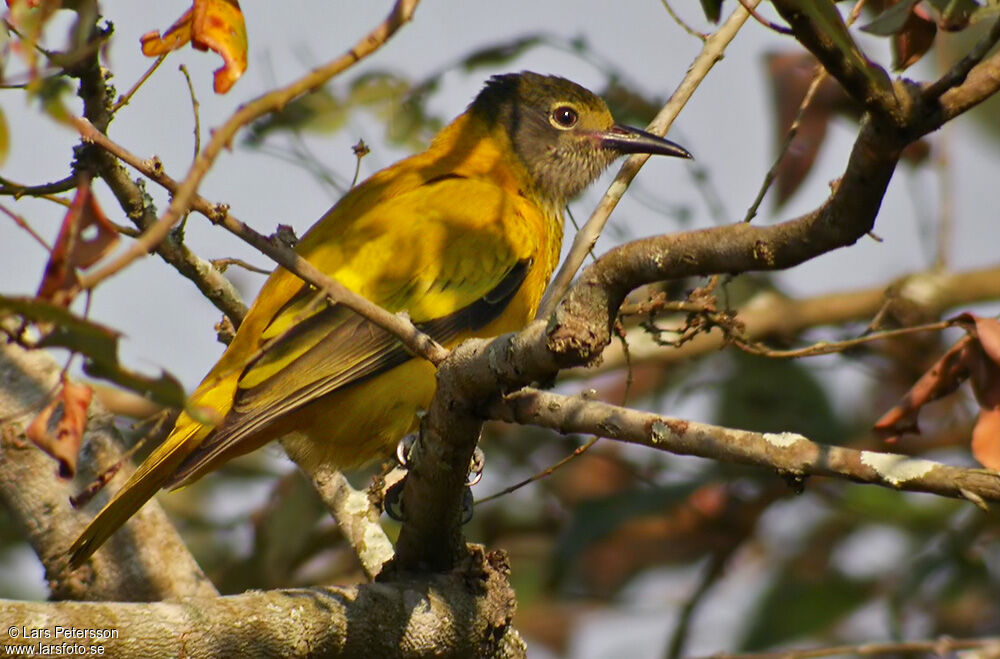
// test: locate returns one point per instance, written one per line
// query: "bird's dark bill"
(626, 139)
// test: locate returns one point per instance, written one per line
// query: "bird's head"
(564, 134)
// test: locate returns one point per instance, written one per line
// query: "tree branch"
(356, 517)
(788, 453)
(96, 97)
(862, 79)
(580, 328)
(463, 614)
(957, 74)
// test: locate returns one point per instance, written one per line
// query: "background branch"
(790, 454)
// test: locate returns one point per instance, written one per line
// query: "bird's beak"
(625, 139)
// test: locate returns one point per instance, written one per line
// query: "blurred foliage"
(98, 345)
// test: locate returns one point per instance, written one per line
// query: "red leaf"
(63, 443)
(913, 41)
(954, 367)
(74, 248)
(987, 330)
(791, 75)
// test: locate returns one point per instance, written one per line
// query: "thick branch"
(145, 561)
(788, 453)
(580, 328)
(463, 614)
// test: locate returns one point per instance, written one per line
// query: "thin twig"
(124, 99)
(16, 190)
(701, 36)
(401, 12)
(20, 221)
(713, 572)
(829, 348)
(360, 150)
(793, 130)
(222, 264)
(545, 473)
(771, 25)
(958, 73)
(194, 110)
(585, 239)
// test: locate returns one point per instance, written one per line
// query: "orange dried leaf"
(219, 26)
(215, 25)
(63, 442)
(941, 379)
(178, 34)
(85, 236)
(986, 438)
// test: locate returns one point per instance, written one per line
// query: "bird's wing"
(438, 257)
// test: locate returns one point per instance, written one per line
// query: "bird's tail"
(154, 472)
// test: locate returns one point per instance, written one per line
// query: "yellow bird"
(462, 237)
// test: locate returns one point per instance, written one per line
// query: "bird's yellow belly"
(362, 422)
(365, 420)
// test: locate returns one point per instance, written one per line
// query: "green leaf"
(98, 344)
(496, 56)
(795, 607)
(776, 395)
(4, 138)
(712, 9)
(891, 20)
(319, 112)
(595, 519)
(823, 14)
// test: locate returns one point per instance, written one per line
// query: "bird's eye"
(564, 116)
